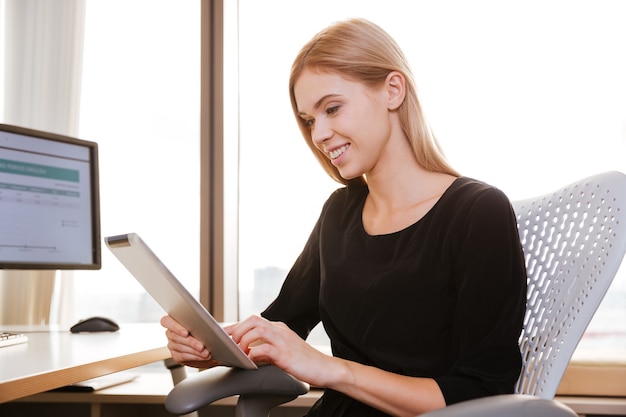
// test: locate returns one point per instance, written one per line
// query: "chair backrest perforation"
(574, 240)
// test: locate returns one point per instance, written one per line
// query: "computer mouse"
(95, 324)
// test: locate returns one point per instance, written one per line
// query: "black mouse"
(95, 324)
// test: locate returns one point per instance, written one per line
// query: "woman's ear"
(396, 90)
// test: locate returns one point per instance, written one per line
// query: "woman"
(416, 272)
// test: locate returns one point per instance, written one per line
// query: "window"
(140, 102)
(526, 97)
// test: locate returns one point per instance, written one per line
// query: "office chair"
(574, 240)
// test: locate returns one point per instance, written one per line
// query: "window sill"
(588, 374)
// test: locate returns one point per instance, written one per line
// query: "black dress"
(443, 298)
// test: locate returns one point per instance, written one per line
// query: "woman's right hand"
(186, 349)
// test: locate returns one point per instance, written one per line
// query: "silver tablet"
(172, 296)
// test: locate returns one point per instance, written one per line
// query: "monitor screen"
(49, 201)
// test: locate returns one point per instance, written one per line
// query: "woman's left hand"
(267, 342)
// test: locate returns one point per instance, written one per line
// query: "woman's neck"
(397, 202)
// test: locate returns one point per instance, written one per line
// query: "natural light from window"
(526, 96)
(140, 102)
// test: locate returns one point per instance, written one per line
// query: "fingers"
(186, 352)
(274, 342)
(184, 348)
(250, 332)
(180, 340)
(172, 325)
(262, 340)
(188, 344)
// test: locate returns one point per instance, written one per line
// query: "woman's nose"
(320, 132)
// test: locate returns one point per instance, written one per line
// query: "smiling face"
(349, 122)
(360, 51)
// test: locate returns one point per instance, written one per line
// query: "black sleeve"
(490, 280)
(297, 304)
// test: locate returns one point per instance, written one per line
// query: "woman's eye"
(309, 122)
(332, 110)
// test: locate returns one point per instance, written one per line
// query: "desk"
(53, 359)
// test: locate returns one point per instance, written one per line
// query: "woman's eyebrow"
(319, 102)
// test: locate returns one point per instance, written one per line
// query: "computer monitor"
(49, 201)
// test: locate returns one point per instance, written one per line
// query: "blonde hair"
(360, 50)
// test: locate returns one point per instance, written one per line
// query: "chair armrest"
(210, 385)
(513, 405)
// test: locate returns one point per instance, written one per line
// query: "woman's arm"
(275, 343)
(394, 394)
(490, 283)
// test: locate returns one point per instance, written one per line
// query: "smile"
(338, 152)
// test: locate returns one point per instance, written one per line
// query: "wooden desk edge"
(17, 388)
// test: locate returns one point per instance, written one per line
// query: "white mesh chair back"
(574, 241)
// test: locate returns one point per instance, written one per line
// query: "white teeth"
(337, 152)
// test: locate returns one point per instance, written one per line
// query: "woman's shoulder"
(466, 189)
(470, 201)
(468, 198)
